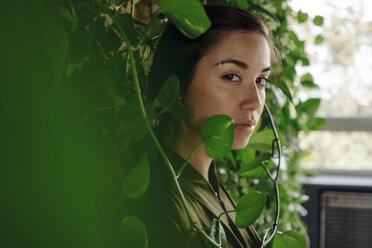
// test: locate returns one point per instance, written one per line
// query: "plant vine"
(100, 52)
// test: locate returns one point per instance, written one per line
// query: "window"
(341, 64)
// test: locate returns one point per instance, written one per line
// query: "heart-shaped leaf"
(307, 77)
(255, 173)
(309, 84)
(307, 81)
(245, 155)
(137, 181)
(302, 17)
(289, 239)
(188, 15)
(319, 39)
(309, 107)
(218, 135)
(256, 162)
(214, 231)
(134, 233)
(318, 20)
(249, 208)
(262, 141)
(168, 93)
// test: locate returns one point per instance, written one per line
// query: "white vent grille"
(346, 220)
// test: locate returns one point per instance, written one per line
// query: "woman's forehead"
(241, 48)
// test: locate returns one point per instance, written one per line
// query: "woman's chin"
(240, 143)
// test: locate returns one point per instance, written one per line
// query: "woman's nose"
(252, 97)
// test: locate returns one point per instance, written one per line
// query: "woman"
(224, 71)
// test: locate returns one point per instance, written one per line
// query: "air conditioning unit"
(346, 220)
(339, 211)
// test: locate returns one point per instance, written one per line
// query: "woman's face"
(230, 80)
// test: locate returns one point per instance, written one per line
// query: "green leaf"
(309, 84)
(245, 155)
(289, 239)
(307, 81)
(307, 77)
(249, 208)
(305, 61)
(168, 93)
(213, 233)
(319, 39)
(283, 86)
(179, 110)
(188, 15)
(126, 25)
(255, 173)
(255, 162)
(262, 141)
(137, 181)
(318, 20)
(302, 17)
(218, 135)
(317, 123)
(243, 4)
(231, 157)
(309, 107)
(134, 232)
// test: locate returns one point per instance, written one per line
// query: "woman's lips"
(245, 127)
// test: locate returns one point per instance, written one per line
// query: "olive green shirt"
(206, 201)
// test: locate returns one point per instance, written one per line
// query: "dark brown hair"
(178, 55)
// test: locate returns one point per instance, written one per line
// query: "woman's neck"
(185, 144)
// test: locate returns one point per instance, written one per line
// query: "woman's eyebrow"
(233, 61)
(240, 64)
(267, 69)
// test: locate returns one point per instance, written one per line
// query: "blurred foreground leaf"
(188, 15)
(134, 233)
(136, 182)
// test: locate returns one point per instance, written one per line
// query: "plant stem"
(268, 173)
(265, 241)
(188, 158)
(162, 153)
(205, 236)
(226, 212)
(218, 223)
(163, 110)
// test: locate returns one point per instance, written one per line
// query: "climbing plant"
(98, 53)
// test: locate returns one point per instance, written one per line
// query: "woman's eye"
(232, 77)
(262, 81)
